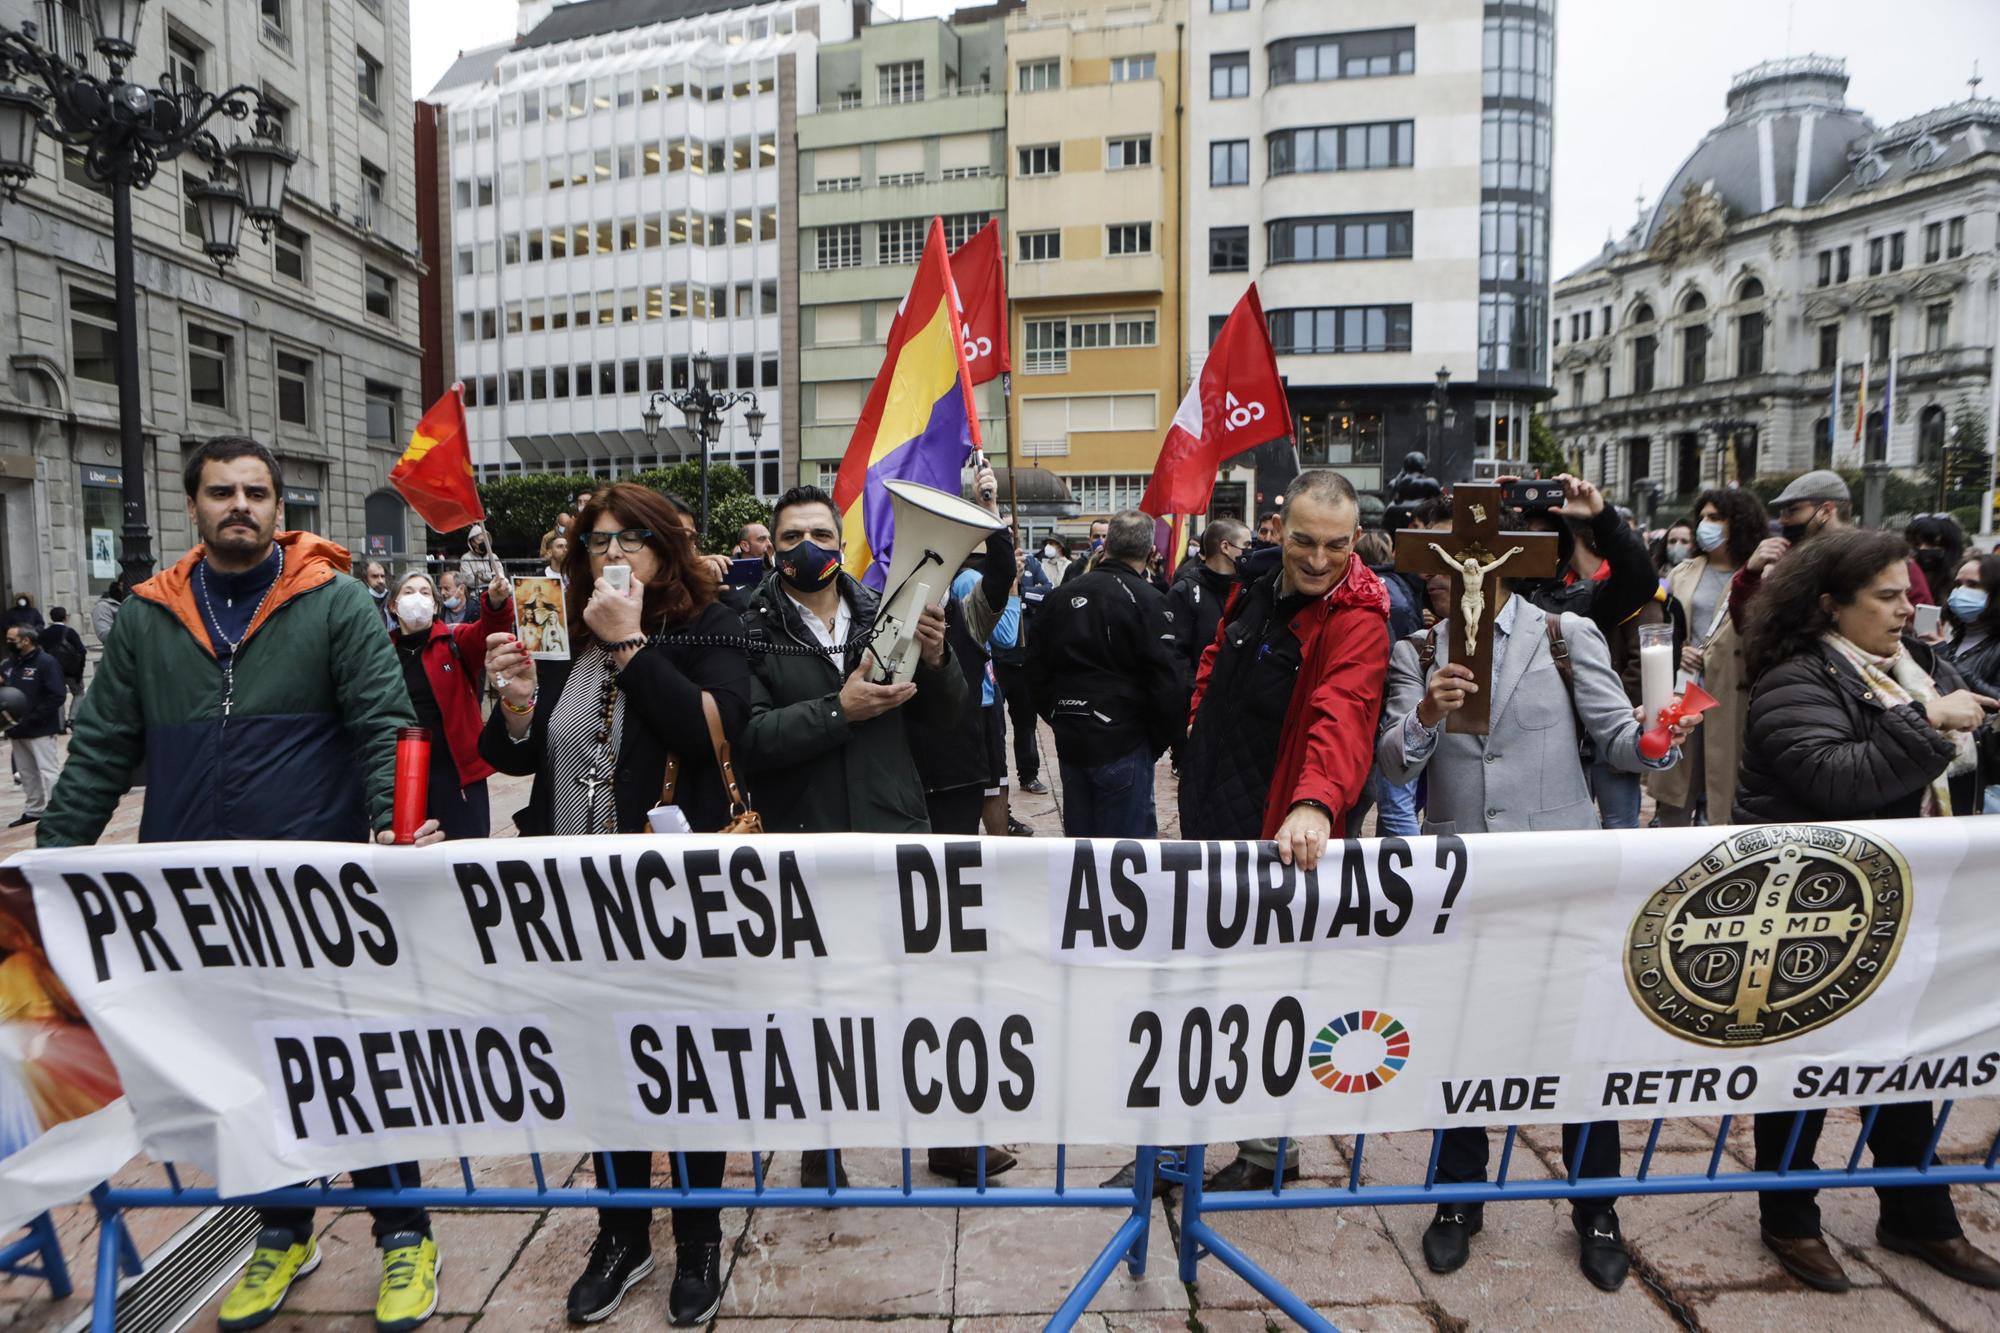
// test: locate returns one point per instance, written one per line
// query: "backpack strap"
(1559, 654)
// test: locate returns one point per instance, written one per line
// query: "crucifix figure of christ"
(1474, 552)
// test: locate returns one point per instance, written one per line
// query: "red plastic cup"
(413, 771)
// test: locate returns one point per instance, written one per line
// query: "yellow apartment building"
(1095, 202)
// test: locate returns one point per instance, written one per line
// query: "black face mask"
(1796, 532)
(809, 567)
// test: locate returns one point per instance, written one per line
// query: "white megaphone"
(935, 531)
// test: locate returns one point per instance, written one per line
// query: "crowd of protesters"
(1297, 678)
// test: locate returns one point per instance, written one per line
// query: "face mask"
(1048, 553)
(453, 603)
(1096, 543)
(1679, 551)
(1795, 532)
(809, 567)
(1966, 603)
(413, 608)
(20, 601)
(1710, 535)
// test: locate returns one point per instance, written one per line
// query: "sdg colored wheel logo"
(1359, 1052)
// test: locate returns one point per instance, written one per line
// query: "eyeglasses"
(632, 539)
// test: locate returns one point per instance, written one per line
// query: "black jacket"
(1980, 666)
(66, 646)
(662, 685)
(1608, 602)
(1821, 746)
(40, 677)
(1103, 670)
(1197, 599)
(812, 770)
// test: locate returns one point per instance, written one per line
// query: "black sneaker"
(697, 1290)
(25, 820)
(1036, 786)
(615, 1265)
(1017, 829)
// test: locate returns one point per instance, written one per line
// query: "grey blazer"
(1524, 774)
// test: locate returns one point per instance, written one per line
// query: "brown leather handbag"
(742, 819)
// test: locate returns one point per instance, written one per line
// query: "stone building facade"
(307, 342)
(1798, 242)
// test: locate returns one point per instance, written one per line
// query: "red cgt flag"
(1237, 404)
(981, 278)
(435, 472)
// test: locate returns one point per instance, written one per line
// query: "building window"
(1229, 162)
(1576, 388)
(1040, 246)
(1229, 75)
(381, 293)
(93, 336)
(1098, 331)
(1353, 55)
(295, 375)
(1130, 69)
(958, 229)
(184, 60)
(1047, 345)
(1514, 148)
(1227, 6)
(1881, 329)
(1896, 253)
(1121, 154)
(1354, 328)
(1937, 326)
(1829, 346)
(1750, 344)
(1342, 147)
(1933, 242)
(1228, 249)
(1042, 160)
(1038, 76)
(901, 82)
(1875, 257)
(368, 78)
(1826, 268)
(900, 241)
(1645, 354)
(288, 252)
(209, 355)
(374, 190)
(1130, 238)
(274, 14)
(1843, 268)
(1343, 236)
(839, 247)
(1954, 238)
(1694, 354)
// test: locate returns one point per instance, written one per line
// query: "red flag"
(1237, 404)
(435, 472)
(978, 270)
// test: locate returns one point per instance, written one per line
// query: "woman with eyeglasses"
(596, 732)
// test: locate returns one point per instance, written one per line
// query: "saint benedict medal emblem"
(1775, 932)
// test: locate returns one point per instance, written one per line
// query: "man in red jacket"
(1282, 724)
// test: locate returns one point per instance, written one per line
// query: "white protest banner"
(280, 1010)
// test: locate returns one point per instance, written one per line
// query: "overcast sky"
(1637, 85)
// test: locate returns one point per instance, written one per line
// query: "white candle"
(1656, 679)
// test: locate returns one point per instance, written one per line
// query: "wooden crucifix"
(1476, 554)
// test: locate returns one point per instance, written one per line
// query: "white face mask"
(1679, 551)
(415, 609)
(453, 603)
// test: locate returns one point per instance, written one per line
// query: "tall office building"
(1381, 171)
(307, 342)
(911, 125)
(616, 194)
(1094, 118)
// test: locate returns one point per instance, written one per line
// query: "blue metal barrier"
(38, 1254)
(1128, 1242)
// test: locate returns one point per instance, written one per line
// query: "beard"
(238, 536)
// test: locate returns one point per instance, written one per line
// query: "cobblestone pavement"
(1698, 1264)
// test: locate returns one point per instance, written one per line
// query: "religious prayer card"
(540, 621)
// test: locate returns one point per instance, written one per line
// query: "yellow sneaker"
(267, 1279)
(409, 1292)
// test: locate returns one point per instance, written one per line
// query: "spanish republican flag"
(919, 423)
(435, 472)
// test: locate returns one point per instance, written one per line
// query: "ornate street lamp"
(125, 130)
(702, 408)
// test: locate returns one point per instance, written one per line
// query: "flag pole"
(1013, 464)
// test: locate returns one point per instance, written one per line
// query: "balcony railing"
(927, 95)
(1045, 448)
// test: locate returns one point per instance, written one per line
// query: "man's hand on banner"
(428, 833)
(1303, 835)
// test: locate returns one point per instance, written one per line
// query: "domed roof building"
(1798, 244)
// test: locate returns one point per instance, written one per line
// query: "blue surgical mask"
(1710, 534)
(1679, 551)
(1967, 604)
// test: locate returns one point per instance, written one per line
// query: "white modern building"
(619, 188)
(1702, 346)
(1381, 171)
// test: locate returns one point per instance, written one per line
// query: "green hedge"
(520, 509)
